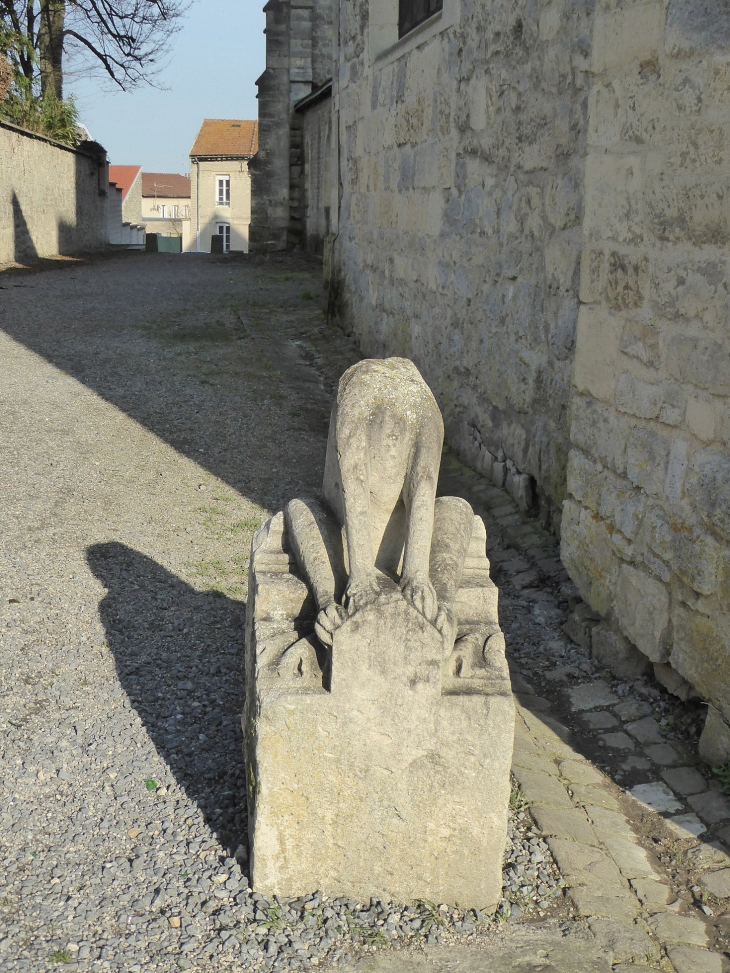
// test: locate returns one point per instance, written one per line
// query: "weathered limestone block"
(673, 682)
(379, 718)
(715, 740)
(381, 768)
(617, 653)
(644, 612)
(701, 654)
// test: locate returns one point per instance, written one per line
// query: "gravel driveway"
(153, 410)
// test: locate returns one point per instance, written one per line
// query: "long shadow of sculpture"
(178, 656)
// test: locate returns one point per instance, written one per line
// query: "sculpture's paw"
(422, 596)
(446, 624)
(328, 621)
(361, 593)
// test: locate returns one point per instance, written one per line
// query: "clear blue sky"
(215, 61)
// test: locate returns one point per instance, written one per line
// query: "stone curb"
(611, 880)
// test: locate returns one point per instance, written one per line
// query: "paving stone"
(656, 796)
(679, 929)
(630, 710)
(559, 730)
(709, 854)
(525, 579)
(585, 865)
(591, 902)
(625, 941)
(534, 761)
(541, 788)
(600, 720)
(617, 741)
(663, 754)
(724, 835)
(520, 684)
(688, 960)
(565, 823)
(606, 821)
(525, 742)
(538, 704)
(711, 806)
(594, 796)
(633, 968)
(686, 825)
(636, 763)
(561, 674)
(526, 948)
(630, 857)
(717, 883)
(653, 894)
(591, 695)
(580, 772)
(685, 780)
(646, 730)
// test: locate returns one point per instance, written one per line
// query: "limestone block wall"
(462, 151)
(53, 199)
(646, 528)
(316, 174)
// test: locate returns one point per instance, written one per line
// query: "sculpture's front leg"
(420, 497)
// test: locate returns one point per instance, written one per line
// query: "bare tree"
(50, 46)
(127, 39)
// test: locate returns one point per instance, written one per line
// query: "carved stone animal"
(381, 470)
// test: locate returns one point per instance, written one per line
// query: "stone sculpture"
(379, 716)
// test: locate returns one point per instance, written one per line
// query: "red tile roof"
(165, 185)
(124, 176)
(227, 137)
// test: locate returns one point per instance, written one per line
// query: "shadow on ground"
(213, 355)
(178, 654)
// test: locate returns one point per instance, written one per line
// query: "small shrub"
(45, 115)
(6, 78)
(60, 956)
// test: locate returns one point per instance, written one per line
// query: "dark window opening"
(411, 13)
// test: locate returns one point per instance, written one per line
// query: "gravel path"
(154, 410)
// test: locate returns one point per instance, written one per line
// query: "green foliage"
(723, 774)
(60, 956)
(517, 800)
(151, 784)
(43, 114)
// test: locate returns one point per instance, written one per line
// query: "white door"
(224, 230)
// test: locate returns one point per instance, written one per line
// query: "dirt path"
(154, 409)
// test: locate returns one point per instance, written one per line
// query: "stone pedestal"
(381, 768)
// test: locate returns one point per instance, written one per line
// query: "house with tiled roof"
(166, 205)
(124, 207)
(128, 180)
(220, 183)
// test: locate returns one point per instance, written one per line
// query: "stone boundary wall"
(461, 165)
(53, 199)
(646, 528)
(316, 176)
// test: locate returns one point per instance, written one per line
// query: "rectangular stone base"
(383, 785)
